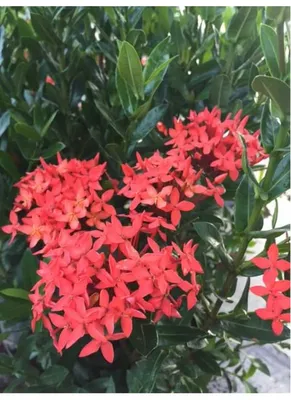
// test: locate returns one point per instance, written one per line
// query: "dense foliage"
(139, 203)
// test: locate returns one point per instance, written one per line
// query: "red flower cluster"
(101, 272)
(214, 145)
(101, 269)
(277, 302)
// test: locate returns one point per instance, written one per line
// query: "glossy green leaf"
(27, 131)
(14, 292)
(277, 90)
(51, 151)
(13, 309)
(203, 72)
(25, 28)
(148, 123)
(136, 37)
(29, 266)
(126, 95)
(142, 377)
(48, 124)
(187, 385)
(19, 76)
(210, 234)
(156, 78)
(278, 14)
(272, 232)
(4, 122)
(144, 337)
(206, 362)
(157, 57)
(270, 46)
(269, 129)
(281, 179)
(246, 167)
(254, 329)
(129, 67)
(220, 91)
(172, 335)
(2, 35)
(44, 30)
(244, 202)
(242, 24)
(254, 71)
(54, 375)
(243, 301)
(8, 165)
(261, 366)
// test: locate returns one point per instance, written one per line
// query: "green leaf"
(277, 90)
(104, 111)
(243, 301)
(210, 234)
(220, 91)
(244, 202)
(246, 167)
(54, 375)
(255, 329)
(136, 36)
(126, 95)
(270, 46)
(4, 122)
(25, 29)
(157, 57)
(187, 385)
(110, 385)
(142, 377)
(156, 78)
(275, 214)
(272, 232)
(19, 76)
(29, 266)
(203, 72)
(2, 35)
(249, 387)
(254, 71)
(77, 89)
(148, 123)
(129, 67)
(269, 129)
(14, 292)
(281, 179)
(8, 165)
(260, 365)
(242, 24)
(278, 14)
(28, 131)
(206, 362)
(172, 335)
(44, 30)
(144, 337)
(51, 151)
(48, 124)
(13, 309)
(251, 271)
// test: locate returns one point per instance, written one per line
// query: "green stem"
(280, 31)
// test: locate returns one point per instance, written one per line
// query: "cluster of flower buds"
(99, 270)
(277, 303)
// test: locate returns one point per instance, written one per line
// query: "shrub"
(131, 149)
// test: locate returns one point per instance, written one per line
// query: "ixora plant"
(124, 248)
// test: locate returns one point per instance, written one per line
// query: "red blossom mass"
(273, 290)
(101, 268)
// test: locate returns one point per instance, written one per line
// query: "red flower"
(272, 260)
